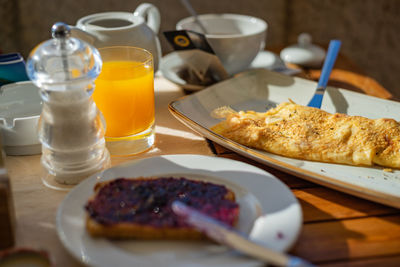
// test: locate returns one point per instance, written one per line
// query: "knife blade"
(226, 235)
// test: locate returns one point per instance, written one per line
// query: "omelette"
(308, 133)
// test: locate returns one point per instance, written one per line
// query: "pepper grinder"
(71, 128)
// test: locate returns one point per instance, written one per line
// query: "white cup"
(235, 39)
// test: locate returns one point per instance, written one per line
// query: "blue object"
(12, 68)
(333, 51)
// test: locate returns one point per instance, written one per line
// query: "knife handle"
(263, 253)
(298, 262)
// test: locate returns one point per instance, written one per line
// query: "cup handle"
(151, 15)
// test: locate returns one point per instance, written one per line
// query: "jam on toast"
(141, 207)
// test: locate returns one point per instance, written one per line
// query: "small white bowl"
(20, 108)
(236, 39)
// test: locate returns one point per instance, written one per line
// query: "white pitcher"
(138, 29)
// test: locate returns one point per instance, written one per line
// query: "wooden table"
(338, 230)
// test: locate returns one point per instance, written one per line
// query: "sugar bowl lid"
(63, 59)
(304, 53)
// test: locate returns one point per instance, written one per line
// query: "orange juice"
(124, 93)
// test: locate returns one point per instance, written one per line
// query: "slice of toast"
(141, 207)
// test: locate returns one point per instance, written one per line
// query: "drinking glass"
(125, 95)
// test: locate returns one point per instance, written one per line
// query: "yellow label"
(181, 40)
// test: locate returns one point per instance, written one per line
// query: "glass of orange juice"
(125, 95)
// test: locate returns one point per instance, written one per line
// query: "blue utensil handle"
(333, 51)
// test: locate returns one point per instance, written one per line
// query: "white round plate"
(268, 212)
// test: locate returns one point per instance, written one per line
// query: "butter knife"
(225, 235)
(333, 51)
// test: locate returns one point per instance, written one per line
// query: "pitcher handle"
(151, 15)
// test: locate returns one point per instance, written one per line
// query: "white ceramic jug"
(123, 28)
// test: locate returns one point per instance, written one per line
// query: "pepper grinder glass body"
(71, 128)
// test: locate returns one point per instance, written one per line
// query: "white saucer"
(171, 63)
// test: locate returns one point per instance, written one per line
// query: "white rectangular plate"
(260, 90)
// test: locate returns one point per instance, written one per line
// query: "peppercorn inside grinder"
(71, 128)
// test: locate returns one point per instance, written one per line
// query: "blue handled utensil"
(333, 51)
